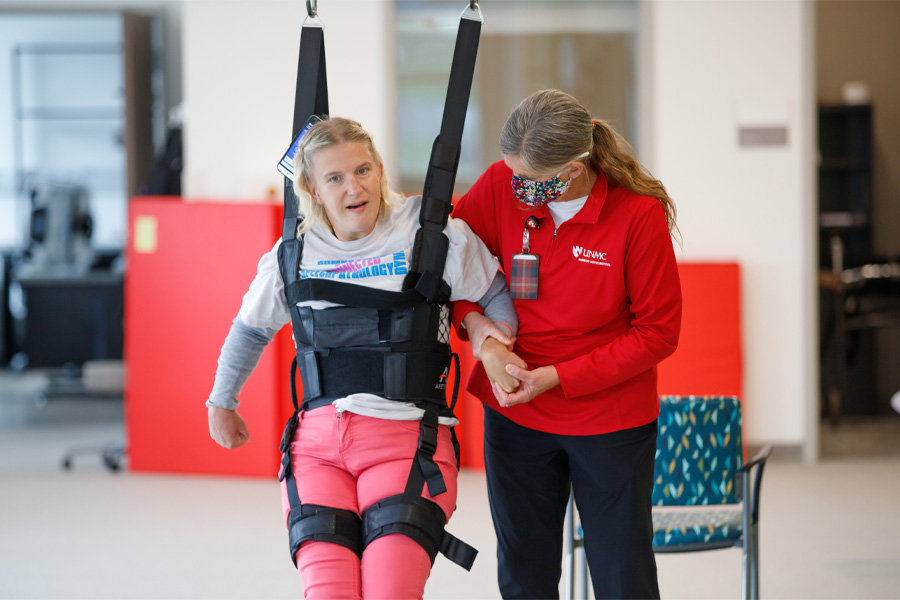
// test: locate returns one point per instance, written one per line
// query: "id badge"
(286, 164)
(523, 280)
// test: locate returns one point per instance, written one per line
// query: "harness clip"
(428, 438)
(288, 434)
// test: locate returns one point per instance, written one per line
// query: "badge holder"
(523, 279)
(286, 164)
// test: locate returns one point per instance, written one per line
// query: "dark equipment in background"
(165, 180)
(65, 311)
(61, 228)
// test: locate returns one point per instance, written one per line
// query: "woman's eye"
(334, 179)
(363, 171)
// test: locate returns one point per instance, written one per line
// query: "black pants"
(528, 477)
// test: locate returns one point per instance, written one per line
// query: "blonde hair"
(550, 128)
(327, 133)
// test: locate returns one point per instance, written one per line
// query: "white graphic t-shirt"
(379, 260)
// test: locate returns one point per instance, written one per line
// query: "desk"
(72, 318)
(862, 298)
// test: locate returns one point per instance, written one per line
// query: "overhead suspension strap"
(430, 250)
(311, 98)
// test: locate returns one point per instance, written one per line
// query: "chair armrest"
(759, 459)
(751, 508)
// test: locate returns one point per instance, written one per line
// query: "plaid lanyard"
(524, 268)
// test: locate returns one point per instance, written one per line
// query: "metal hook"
(312, 14)
(472, 12)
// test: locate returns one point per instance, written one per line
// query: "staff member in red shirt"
(583, 234)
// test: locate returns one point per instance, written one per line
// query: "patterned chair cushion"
(687, 527)
(699, 451)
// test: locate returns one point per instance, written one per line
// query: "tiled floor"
(828, 531)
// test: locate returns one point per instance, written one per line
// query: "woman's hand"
(495, 357)
(533, 383)
(227, 427)
(480, 328)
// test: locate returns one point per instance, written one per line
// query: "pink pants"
(351, 462)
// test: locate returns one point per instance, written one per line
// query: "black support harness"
(384, 343)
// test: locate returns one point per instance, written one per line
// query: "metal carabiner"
(312, 12)
(472, 12)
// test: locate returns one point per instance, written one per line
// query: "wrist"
(554, 375)
(491, 345)
(506, 329)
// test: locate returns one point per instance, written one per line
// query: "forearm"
(611, 364)
(498, 306)
(239, 356)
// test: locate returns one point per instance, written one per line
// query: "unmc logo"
(578, 251)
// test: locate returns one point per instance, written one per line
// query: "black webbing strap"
(455, 358)
(430, 249)
(310, 98)
(424, 470)
(324, 524)
(419, 519)
(349, 294)
(287, 470)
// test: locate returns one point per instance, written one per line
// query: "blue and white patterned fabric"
(699, 457)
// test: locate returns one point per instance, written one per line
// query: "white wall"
(240, 68)
(753, 205)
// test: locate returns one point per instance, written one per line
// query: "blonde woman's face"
(346, 182)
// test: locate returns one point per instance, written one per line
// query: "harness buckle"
(428, 438)
(287, 467)
(288, 434)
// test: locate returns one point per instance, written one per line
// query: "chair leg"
(584, 574)
(570, 549)
(745, 570)
(747, 551)
(754, 563)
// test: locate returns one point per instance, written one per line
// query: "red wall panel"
(709, 358)
(188, 267)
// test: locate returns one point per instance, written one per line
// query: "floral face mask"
(537, 193)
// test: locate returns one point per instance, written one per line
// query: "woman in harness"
(346, 456)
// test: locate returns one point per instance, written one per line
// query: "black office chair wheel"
(113, 457)
(112, 460)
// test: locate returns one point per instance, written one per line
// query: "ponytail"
(615, 158)
(550, 128)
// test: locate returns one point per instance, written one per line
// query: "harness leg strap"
(420, 520)
(312, 521)
(324, 524)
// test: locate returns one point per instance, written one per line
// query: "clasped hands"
(511, 381)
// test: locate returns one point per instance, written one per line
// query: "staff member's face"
(346, 182)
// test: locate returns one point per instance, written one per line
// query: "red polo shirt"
(608, 308)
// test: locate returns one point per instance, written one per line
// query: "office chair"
(705, 497)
